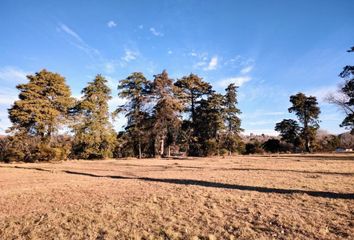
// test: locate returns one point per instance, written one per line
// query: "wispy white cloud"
(322, 92)
(169, 52)
(260, 113)
(141, 26)
(71, 32)
(246, 69)
(155, 32)
(212, 64)
(8, 98)
(260, 122)
(78, 42)
(200, 64)
(130, 55)
(109, 67)
(13, 74)
(111, 24)
(193, 54)
(238, 81)
(239, 62)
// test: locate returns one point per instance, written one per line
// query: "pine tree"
(135, 88)
(209, 122)
(94, 135)
(166, 112)
(191, 88)
(307, 111)
(41, 109)
(42, 106)
(233, 122)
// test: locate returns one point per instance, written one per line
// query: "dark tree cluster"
(177, 117)
(154, 108)
(301, 134)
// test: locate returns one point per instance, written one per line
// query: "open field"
(244, 197)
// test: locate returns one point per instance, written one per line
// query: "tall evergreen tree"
(41, 109)
(307, 111)
(94, 135)
(233, 122)
(136, 89)
(191, 89)
(42, 106)
(166, 112)
(209, 122)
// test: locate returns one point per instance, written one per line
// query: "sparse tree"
(307, 111)
(94, 134)
(345, 97)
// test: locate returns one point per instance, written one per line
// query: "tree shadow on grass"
(193, 182)
(310, 157)
(286, 170)
(202, 183)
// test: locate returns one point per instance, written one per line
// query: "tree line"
(164, 117)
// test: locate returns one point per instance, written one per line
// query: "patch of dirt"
(241, 197)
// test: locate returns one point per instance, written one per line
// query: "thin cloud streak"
(212, 64)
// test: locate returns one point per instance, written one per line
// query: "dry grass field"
(243, 197)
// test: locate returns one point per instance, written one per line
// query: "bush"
(31, 149)
(252, 148)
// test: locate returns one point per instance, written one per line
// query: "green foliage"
(253, 148)
(328, 143)
(136, 89)
(190, 90)
(209, 121)
(348, 91)
(231, 111)
(42, 107)
(22, 147)
(307, 111)
(233, 143)
(166, 112)
(233, 122)
(290, 132)
(94, 135)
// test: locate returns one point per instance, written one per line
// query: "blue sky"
(272, 49)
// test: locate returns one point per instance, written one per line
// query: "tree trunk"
(139, 149)
(192, 109)
(169, 151)
(307, 145)
(162, 147)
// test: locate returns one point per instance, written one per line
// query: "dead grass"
(255, 197)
